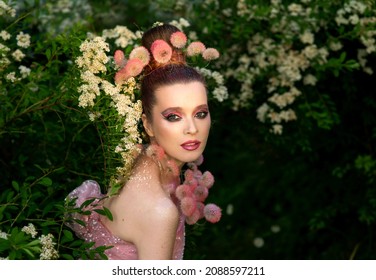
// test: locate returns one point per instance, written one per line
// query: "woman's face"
(180, 121)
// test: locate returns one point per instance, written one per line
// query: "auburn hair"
(157, 75)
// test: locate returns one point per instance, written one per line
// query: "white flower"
(307, 37)
(4, 48)
(354, 19)
(230, 209)
(11, 77)
(261, 112)
(277, 129)
(275, 228)
(30, 229)
(335, 46)
(48, 251)
(24, 71)
(18, 55)
(227, 12)
(3, 235)
(220, 93)
(6, 10)
(4, 35)
(258, 242)
(310, 51)
(23, 40)
(309, 79)
(295, 9)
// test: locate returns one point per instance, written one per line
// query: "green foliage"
(307, 193)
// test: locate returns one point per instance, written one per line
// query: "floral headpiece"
(162, 53)
(114, 104)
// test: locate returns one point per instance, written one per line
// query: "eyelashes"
(173, 117)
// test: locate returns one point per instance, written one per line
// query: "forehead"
(182, 95)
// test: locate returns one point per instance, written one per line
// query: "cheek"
(166, 130)
(206, 125)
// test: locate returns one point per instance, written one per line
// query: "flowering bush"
(293, 135)
(39, 139)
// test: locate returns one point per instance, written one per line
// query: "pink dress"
(95, 231)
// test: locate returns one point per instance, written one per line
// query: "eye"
(202, 114)
(172, 117)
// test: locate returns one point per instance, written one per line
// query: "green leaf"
(16, 186)
(108, 213)
(28, 252)
(82, 223)
(105, 212)
(87, 202)
(48, 54)
(68, 235)
(66, 257)
(45, 182)
(4, 244)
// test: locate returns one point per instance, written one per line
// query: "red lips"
(191, 145)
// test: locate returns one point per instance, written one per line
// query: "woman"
(151, 209)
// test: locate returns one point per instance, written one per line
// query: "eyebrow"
(172, 109)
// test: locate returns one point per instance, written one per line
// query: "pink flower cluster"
(162, 52)
(193, 193)
(194, 190)
(138, 59)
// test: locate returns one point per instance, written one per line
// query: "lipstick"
(191, 145)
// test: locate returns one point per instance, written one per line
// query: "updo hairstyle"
(157, 74)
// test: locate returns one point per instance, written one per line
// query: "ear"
(147, 125)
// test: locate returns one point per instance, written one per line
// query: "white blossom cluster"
(56, 17)
(220, 91)
(97, 85)
(30, 229)
(47, 245)
(3, 235)
(6, 10)
(284, 57)
(48, 251)
(182, 23)
(122, 35)
(12, 52)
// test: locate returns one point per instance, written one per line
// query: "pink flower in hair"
(210, 54)
(141, 53)
(161, 51)
(193, 218)
(195, 48)
(212, 213)
(131, 69)
(178, 39)
(188, 205)
(183, 191)
(206, 180)
(119, 58)
(121, 76)
(201, 193)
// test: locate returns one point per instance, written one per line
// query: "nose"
(190, 127)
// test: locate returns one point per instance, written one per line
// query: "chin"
(191, 157)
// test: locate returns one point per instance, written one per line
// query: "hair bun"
(158, 41)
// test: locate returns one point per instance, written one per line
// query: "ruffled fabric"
(95, 231)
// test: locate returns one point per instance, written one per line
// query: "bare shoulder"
(143, 205)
